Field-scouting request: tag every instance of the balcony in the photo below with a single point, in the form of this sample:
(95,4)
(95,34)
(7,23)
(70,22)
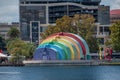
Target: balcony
(102,34)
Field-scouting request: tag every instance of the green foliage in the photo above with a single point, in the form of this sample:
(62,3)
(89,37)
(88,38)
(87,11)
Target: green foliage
(85,28)
(63,24)
(92,43)
(115,36)
(108,43)
(13,33)
(19,48)
(85,24)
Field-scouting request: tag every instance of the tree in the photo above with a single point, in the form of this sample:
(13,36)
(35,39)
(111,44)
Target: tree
(84,24)
(18,48)
(85,28)
(92,43)
(13,33)
(115,36)
(63,24)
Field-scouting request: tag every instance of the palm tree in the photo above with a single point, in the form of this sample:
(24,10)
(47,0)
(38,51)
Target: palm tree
(13,33)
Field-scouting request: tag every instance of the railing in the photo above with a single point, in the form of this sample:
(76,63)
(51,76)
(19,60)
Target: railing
(102,34)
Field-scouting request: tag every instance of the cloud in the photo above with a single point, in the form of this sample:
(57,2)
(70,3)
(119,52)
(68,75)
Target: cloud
(114,4)
(9,10)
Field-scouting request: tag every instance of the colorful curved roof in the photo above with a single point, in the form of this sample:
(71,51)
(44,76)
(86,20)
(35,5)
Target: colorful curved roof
(64,46)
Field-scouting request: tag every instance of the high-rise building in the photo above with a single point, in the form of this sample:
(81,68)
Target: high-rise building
(36,15)
(104,15)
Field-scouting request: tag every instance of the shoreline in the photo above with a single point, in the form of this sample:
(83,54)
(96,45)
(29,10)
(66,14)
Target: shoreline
(11,65)
(71,63)
(64,63)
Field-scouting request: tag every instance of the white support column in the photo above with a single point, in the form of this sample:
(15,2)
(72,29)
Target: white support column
(38,32)
(30,31)
(98,28)
(47,14)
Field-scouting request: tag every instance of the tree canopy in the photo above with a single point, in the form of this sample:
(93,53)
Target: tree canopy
(62,25)
(13,33)
(115,36)
(18,47)
(84,24)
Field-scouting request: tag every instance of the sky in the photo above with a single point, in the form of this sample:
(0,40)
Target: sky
(9,9)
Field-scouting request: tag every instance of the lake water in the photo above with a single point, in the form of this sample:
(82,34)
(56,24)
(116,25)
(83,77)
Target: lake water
(61,73)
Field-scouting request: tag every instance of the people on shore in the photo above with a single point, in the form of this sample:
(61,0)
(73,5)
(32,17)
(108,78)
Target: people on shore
(108,53)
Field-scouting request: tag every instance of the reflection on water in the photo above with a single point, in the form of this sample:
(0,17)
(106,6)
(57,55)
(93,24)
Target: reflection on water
(60,73)
(9,73)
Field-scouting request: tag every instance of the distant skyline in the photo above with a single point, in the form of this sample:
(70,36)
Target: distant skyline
(9,9)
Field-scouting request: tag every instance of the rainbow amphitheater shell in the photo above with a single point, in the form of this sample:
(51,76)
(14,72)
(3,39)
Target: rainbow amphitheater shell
(62,46)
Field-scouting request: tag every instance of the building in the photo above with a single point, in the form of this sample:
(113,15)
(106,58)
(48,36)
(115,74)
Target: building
(36,15)
(104,15)
(5,27)
(114,15)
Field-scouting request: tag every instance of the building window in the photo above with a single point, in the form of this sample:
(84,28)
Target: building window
(106,29)
(101,29)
